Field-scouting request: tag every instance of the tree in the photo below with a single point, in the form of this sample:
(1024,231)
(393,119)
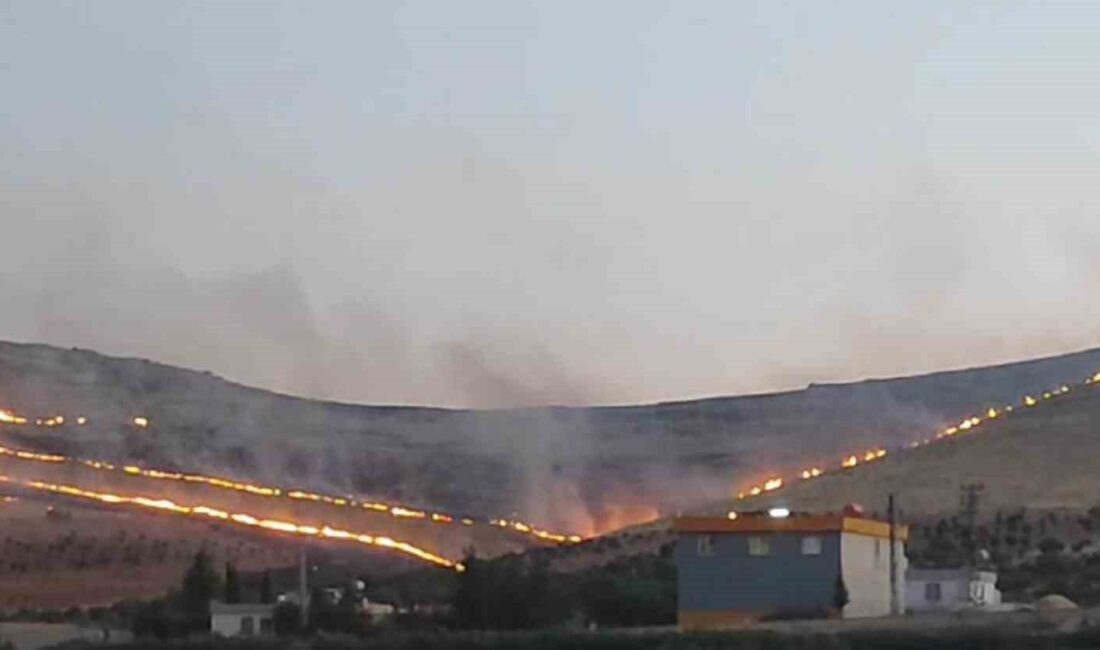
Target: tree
(470,607)
(1051,546)
(334,615)
(319,610)
(627,592)
(200,583)
(286,618)
(232,584)
(840,594)
(266,594)
(508,593)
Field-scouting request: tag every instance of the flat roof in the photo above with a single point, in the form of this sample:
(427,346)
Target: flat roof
(950,574)
(793,524)
(218,607)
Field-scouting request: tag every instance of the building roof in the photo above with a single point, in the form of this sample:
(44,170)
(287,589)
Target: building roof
(218,607)
(947,575)
(829,523)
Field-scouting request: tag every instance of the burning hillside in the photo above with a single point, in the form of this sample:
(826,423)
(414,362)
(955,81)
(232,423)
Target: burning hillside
(428,535)
(1039,453)
(565,469)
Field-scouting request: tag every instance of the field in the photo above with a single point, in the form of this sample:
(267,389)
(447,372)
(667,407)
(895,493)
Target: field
(85,558)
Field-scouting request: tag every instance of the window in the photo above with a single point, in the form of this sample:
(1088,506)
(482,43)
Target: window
(758,546)
(248,626)
(811,545)
(932,592)
(267,626)
(705,545)
(878,553)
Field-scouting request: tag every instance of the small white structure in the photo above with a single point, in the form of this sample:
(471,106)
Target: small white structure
(932,590)
(241,619)
(378,610)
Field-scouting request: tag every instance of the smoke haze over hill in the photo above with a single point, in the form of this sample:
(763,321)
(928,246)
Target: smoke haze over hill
(421,205)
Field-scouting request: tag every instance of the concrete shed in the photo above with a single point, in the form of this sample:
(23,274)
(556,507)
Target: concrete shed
(241,619)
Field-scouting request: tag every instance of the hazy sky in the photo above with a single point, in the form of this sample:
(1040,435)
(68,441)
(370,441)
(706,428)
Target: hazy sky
(500,203)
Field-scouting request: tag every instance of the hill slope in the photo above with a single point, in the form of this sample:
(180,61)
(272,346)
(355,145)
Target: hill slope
(1041,458)
(583,469)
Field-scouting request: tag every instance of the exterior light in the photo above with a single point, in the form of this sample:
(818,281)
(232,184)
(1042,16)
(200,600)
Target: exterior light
(779,513)
(731,515)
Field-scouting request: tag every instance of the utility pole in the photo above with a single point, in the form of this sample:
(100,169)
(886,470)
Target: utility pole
(895,601)
(968,504)
(303,593)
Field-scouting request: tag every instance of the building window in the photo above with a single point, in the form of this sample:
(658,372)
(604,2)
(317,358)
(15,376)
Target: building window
(705,545)
(811,545)
(758,546)
(267,626)
(878,553)
(932,592)
(248,626)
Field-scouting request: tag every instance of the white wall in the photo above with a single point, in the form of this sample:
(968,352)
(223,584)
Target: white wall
(226,624)
(955,592)
(867,575)
(229,624)
(952,594)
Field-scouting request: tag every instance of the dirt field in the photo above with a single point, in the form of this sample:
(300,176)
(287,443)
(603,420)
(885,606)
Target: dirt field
(90,558)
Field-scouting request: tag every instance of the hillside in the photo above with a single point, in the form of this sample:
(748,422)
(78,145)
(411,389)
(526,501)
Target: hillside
(57,557)
(1045,457)
(578,469)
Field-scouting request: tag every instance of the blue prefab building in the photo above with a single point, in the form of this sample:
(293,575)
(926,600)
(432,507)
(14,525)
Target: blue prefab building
(733,571)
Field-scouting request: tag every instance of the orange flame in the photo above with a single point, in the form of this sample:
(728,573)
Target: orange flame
(242,519)
(265,491)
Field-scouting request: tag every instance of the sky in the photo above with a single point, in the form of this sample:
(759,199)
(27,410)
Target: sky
(505,203)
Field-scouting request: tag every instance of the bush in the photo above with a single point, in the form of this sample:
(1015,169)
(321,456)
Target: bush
(286,618)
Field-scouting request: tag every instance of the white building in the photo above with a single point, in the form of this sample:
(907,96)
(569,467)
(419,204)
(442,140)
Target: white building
(378,610)
(930,590)
(241,619)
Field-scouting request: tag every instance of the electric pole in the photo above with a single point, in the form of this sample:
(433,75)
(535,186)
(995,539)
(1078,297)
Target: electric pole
(895,601)
(969,500)
(303,593)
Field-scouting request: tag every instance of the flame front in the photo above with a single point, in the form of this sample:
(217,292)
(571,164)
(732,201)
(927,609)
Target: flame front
(7,417)
(242,519)
(396,511)
(966,425)
(771,484)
